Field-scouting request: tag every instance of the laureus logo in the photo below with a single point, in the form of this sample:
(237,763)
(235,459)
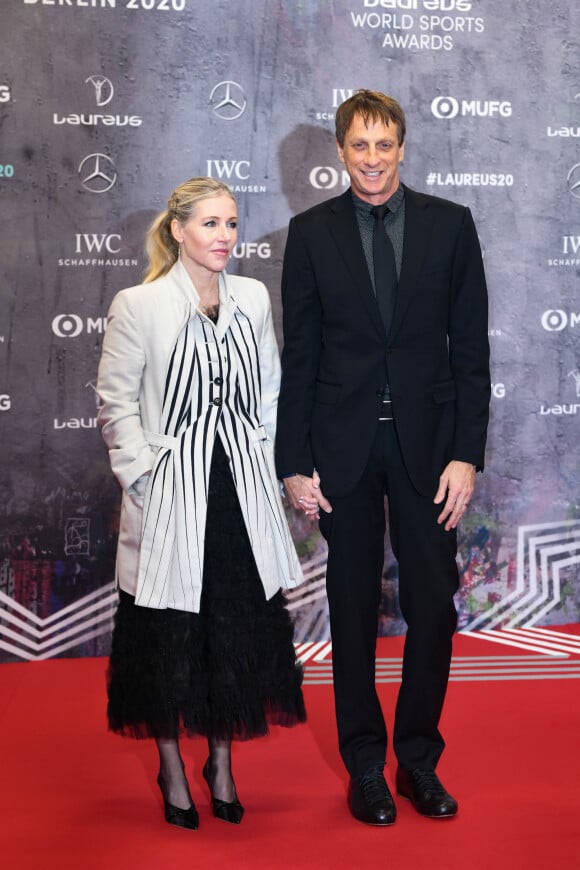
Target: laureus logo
(575,374)
(103,88)
(103,92)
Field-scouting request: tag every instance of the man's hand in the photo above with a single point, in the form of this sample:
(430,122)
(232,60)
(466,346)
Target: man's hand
(458,482)
(305,495)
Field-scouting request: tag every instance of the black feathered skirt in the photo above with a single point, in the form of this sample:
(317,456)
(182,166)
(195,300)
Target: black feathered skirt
(227,672)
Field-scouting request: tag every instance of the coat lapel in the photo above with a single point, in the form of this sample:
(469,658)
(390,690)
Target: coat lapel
(187,298)
(344,228)
(228,305)
(415,242)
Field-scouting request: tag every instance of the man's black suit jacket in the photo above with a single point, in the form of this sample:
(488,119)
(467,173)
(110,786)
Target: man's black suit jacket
(337,358)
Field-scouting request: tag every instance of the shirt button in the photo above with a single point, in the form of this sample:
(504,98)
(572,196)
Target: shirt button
(217,401)
(218,382)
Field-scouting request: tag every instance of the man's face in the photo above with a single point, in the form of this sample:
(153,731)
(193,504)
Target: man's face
(372,155)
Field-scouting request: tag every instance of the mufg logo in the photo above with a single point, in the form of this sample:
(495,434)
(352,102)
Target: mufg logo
(71,325)
(556,319)
(450,107)
(327,177)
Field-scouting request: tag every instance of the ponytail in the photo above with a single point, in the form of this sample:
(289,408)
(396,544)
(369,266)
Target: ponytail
(162,249)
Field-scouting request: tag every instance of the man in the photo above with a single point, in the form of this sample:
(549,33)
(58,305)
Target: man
(385,390)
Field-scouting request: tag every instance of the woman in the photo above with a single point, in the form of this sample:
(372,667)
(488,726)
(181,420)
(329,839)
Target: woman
(188,381)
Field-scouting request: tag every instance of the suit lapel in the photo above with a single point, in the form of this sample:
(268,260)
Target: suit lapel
(344,228)
(416,237)
(228,305)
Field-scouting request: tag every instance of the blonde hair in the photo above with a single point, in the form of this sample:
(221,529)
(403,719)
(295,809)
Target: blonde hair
(161,247)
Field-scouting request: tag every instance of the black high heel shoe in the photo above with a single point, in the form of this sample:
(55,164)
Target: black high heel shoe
(228,811)
(176,816)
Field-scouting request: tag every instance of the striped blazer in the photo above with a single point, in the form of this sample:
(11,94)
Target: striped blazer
(169,382)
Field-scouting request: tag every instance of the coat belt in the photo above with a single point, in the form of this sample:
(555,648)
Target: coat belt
(156,439)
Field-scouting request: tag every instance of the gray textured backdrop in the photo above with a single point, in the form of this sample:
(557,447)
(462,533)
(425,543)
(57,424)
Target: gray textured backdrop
(107,105)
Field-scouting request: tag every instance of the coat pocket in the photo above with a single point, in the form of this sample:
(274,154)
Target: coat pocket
(326,394)
(444,392)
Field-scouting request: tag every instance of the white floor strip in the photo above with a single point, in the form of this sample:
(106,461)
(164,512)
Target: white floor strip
(555,635)
(518,633)
(494,638)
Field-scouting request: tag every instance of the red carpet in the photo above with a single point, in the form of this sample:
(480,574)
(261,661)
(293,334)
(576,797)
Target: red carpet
(75,796)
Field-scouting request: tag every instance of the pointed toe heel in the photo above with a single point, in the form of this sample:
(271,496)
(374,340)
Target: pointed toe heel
(181,818)
(227,811)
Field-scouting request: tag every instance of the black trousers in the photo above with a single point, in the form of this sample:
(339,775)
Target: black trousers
(428,579)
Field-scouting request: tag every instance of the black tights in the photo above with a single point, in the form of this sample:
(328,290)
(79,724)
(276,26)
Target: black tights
(172,772)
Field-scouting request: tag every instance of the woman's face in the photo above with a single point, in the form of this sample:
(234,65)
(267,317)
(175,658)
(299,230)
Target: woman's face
(209,236)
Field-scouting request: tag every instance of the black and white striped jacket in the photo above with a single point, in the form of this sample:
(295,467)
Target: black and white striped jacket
(169,381)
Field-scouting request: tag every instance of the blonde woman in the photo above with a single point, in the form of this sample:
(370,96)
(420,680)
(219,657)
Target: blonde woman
(188,381)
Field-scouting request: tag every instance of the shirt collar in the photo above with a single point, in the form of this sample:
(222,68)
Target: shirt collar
(394,202)
(187,286)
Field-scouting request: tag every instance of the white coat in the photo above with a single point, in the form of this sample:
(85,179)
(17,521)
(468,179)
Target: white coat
(169,381)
